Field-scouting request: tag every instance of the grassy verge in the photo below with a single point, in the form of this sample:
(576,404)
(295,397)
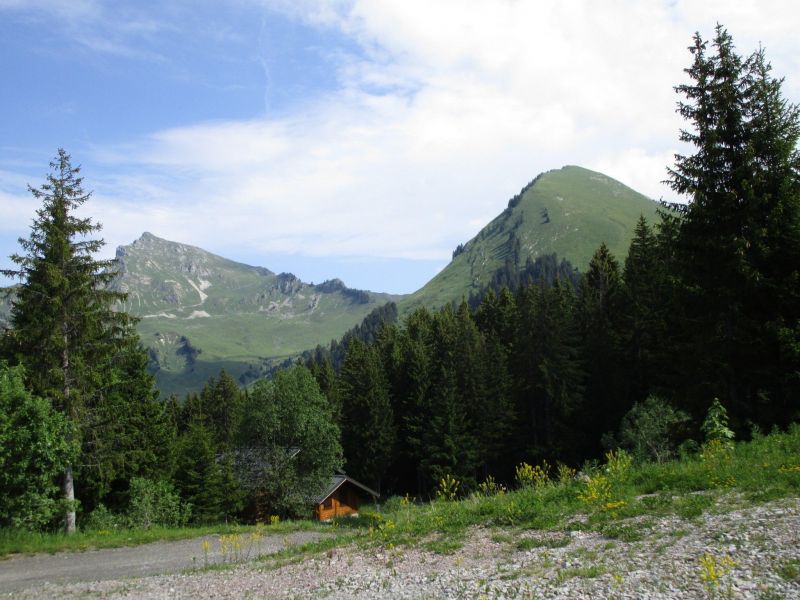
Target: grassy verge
(603,499)
(17,541)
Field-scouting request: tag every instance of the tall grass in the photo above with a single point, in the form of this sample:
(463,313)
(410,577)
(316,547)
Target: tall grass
(766,468)
(20,541)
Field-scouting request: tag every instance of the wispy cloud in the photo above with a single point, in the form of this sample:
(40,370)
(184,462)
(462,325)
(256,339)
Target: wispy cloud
(100,27)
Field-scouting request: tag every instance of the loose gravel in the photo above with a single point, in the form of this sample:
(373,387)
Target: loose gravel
(757,549)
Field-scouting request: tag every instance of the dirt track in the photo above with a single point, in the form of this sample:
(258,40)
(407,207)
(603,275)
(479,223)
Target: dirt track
(20,572)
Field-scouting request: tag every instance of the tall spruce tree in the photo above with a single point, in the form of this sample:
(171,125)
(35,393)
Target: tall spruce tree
(198,475)
(644,312)
(127,431)
(737,241)
(368,429)
(65,332)
(548,373)
(599,314)
(221,401)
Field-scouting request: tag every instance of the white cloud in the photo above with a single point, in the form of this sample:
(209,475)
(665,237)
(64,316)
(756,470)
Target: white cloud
(16,213)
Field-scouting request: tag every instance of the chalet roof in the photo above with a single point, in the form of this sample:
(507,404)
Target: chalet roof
(338,480)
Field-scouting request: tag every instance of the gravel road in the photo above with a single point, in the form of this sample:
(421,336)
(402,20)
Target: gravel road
(20,572)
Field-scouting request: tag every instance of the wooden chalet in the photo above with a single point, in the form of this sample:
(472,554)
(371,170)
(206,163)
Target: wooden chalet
(343,497)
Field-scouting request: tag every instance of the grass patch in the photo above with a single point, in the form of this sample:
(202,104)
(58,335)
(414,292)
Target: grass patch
(445,545)
(502,538)
(624,533)
(552,542)
(589,572)
(692,506)
(20,541)
(789,570)
(657,503)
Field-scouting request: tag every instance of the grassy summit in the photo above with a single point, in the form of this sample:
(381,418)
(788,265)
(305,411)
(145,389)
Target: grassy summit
(569,211)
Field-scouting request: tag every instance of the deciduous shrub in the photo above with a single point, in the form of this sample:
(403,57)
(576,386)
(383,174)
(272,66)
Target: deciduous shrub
(715,426)
(650,430)
(155,503)
(35,445)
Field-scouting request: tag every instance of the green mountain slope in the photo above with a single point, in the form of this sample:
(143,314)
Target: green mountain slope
(569,211)
(200,312)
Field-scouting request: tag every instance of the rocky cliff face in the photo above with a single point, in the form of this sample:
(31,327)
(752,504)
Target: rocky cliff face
(200,312)
(176,279)
(5,307)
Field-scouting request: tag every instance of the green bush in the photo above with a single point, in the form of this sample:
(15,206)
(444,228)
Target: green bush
(35,446)
(650,430)
(715,426)
(102,519)
(155,503)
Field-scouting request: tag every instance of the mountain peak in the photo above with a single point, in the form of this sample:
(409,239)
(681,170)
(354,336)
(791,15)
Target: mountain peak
(148,238)
(200,312)
(568,211)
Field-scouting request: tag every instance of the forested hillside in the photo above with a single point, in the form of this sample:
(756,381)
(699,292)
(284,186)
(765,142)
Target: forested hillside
(705,306)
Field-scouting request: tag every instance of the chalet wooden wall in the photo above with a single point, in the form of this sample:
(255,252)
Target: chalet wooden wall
(344,501)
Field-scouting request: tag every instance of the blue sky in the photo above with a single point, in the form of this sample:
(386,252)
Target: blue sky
(354,139)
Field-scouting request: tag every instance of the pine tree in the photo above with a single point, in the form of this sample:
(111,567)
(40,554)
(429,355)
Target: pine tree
(450,445)
(494,415)
(221,408)
(600,297)
(773,259)
(392,348)
(738,237)
(321,368)
(128,432)
(644,312)
(548,373)
(64,329)
(368,429)
(412,393)
(198,476)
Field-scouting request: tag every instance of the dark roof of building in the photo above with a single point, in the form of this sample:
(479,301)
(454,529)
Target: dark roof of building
(338,481)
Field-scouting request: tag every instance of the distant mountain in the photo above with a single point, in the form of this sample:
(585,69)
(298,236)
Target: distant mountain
(569,212)
(200,312)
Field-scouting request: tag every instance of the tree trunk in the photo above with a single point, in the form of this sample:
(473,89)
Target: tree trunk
(68,485)
(68,492)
